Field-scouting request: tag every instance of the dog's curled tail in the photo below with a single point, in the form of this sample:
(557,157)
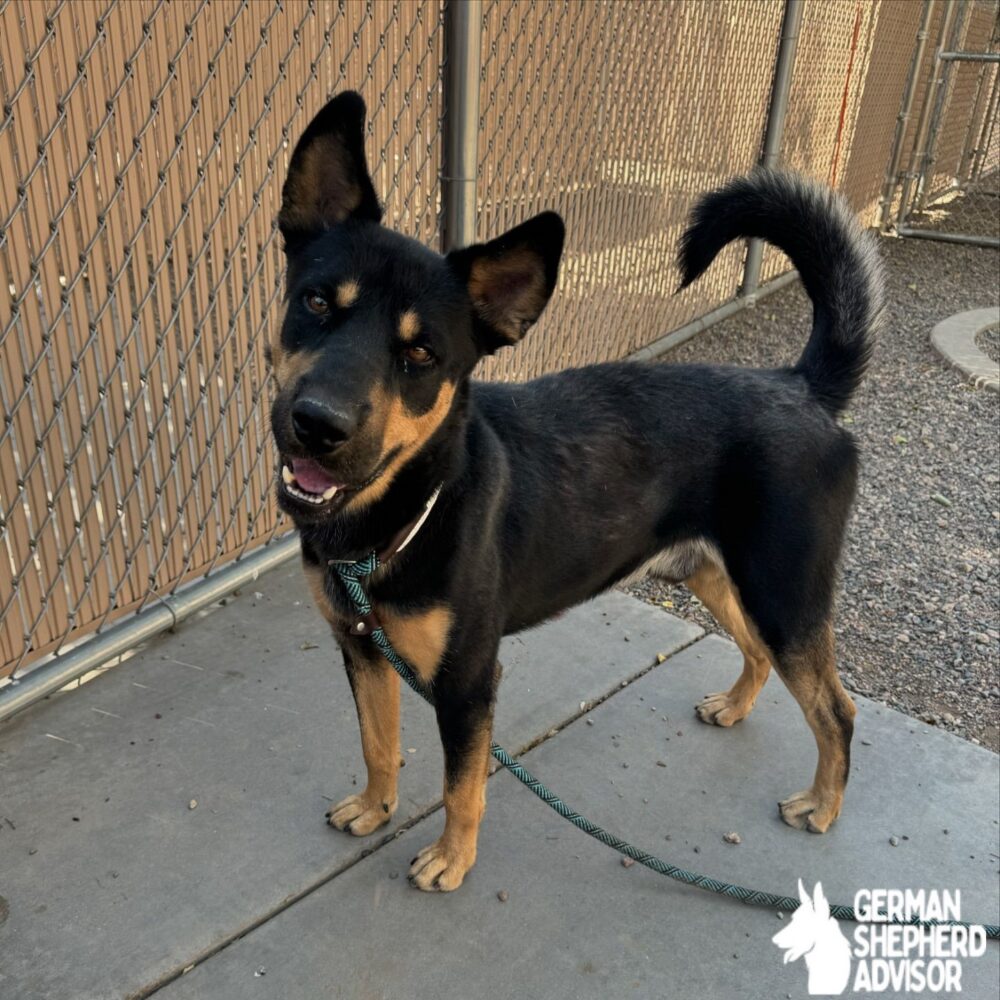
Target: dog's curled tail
(836,260)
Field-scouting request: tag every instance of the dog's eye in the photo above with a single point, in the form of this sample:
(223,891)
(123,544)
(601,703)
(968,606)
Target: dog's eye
(418,355)
(315,303)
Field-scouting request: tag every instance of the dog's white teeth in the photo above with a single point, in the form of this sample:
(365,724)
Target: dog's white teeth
(286,475)
(330,493)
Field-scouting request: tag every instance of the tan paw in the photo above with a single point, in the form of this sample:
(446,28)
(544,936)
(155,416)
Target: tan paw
(360,814)
(721,709)
(440,867)
(809,811)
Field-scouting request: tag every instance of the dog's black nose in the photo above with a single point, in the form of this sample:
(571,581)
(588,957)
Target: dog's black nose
(319,427)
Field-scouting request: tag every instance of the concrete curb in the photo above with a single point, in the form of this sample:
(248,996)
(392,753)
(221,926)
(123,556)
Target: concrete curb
(955,340)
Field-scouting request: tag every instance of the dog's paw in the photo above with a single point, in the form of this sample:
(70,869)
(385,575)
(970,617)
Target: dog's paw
(809,811)
(721,709)
(361,814)
(441,867)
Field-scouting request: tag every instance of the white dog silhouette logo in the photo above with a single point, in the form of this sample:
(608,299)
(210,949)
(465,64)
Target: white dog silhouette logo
(813,933)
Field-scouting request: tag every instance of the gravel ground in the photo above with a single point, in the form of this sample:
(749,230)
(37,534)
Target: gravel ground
(988,342)
(919,604)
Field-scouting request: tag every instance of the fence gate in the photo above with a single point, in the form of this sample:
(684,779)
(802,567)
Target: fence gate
(944,174)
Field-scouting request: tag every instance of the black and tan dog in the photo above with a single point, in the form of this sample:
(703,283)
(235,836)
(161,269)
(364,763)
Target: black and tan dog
(737,482)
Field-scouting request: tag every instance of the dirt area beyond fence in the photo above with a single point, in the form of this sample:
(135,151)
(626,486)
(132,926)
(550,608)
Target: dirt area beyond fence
(919,602)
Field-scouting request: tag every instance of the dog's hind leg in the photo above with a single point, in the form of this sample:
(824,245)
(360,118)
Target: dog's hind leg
(810,673)
(715,590)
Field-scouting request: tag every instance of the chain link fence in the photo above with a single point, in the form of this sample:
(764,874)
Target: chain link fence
(947,182)
(142,149)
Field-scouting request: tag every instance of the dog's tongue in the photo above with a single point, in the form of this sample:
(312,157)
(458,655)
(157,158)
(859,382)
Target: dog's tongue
(311,476)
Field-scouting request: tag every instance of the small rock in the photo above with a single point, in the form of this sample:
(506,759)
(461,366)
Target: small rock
(503,895)
(260,972)
(193,804)
(660,657)
(309,645)
(627,862)
(661,763)
(894,841)
(590,722)
(732,838)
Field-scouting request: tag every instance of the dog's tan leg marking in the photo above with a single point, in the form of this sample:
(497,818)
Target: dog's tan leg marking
(811,676)
(376,695)
(441,866)
(715,590)
(420,638)
(315,578)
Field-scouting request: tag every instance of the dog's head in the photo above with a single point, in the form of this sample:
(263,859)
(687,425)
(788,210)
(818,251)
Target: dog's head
(379,333)
(809,925)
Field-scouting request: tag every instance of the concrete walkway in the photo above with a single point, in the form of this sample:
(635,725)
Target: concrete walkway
(112,884)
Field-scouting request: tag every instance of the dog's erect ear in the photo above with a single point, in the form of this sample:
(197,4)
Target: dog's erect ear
(511,278)
(804,896)
(328,181)
(821,905)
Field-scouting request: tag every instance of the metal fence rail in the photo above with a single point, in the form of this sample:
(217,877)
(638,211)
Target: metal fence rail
(142,149)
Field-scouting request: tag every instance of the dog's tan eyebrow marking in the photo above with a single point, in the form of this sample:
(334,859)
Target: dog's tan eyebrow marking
(347,294)
(409,325)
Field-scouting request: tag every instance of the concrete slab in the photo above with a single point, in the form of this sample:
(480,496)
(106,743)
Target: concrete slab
(954,339)
(578,924)
(113,882)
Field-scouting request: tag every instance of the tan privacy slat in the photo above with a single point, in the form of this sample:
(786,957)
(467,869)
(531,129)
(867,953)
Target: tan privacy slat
(34,289)
(17,597)
(610,114)
(60,425)
(147,273)
(861,179)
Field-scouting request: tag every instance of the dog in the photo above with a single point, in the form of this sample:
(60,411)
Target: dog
(518,501)
(812,932)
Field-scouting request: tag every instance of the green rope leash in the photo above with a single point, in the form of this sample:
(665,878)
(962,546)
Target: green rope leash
(351,575)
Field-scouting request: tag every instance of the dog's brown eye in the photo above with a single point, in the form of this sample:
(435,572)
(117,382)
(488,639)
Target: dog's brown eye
(315,303)
(418,355)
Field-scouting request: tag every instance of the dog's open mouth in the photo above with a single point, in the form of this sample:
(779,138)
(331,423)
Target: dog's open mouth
(306,480)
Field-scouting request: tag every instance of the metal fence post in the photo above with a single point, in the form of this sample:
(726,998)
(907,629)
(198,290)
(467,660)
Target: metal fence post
(774,129)
(916,157)
(892,174)
(463,36)
(945,70)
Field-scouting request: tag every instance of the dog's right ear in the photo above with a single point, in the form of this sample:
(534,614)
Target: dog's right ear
(328,181)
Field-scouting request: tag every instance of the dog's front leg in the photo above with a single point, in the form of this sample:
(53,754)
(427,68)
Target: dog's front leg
(376,694)
(465,721)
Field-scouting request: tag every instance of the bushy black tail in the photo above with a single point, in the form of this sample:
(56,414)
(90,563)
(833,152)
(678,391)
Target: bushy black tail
(836,259)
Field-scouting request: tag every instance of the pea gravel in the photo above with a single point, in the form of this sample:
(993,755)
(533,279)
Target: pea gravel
(989,343)
(918,615)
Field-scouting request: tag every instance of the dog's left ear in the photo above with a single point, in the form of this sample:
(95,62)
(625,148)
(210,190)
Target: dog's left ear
(510,279)
(328,181)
